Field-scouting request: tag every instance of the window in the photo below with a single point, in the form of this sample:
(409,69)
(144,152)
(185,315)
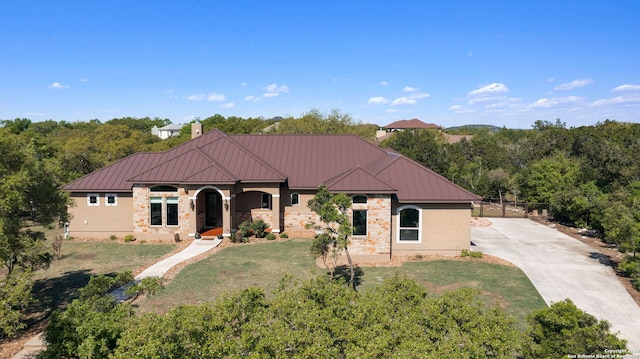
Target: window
(156,211)
(295,199)
(359,222)
(409,226)
(265,201)
(172,211)
(359,199)
(111,199)
(170,208)
(93,199)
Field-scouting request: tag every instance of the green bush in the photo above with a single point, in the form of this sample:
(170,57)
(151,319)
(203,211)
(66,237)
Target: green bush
(635,280)
(475,254)
(629,266)
(464,253)
(113,237)
(259,227)
(271,236)
(284,235)
(129,238)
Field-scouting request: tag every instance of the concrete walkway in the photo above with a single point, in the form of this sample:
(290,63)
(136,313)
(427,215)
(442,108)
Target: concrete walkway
(36,344)
(561,267)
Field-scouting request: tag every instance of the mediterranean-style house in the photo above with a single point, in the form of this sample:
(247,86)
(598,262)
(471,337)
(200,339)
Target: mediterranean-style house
(215,181)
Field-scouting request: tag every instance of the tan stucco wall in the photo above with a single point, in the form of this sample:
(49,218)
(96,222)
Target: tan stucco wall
(100,222)
(446,229)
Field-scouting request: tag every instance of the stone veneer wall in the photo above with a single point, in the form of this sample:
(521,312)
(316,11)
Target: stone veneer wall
(378,238)
(142,212)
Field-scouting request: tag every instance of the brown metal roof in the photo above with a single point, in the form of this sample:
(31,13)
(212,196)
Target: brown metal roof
(358,180)
(343,162)
(411,124)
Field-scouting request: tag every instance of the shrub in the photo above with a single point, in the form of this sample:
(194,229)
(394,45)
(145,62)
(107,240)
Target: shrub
(476,254)
(635,280)
(629,266)
(113,237)
(259,227)
(129,238)
(271,236)
(465,253)
(284,235)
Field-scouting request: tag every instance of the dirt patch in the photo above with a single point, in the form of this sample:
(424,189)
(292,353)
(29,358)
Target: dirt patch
(606,253)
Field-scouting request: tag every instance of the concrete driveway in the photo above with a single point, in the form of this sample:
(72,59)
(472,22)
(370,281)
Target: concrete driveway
(561,267)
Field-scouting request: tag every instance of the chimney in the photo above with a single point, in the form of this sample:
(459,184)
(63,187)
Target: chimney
(196,128)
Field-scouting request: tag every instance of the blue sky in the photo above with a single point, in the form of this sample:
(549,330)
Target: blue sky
(504,63)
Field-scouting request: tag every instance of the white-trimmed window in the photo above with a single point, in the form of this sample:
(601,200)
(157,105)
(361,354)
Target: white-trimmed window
(409,226)
(93,199)
(359,222)
(111,199)
(172,211)
(167,206)
(265,201)
(359,198)
(295,199)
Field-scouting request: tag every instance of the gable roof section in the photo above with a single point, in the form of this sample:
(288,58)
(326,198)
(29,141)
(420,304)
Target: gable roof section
(417,183)
(411,124)
(114,177)
(310,160)
(187,166)
(358,180)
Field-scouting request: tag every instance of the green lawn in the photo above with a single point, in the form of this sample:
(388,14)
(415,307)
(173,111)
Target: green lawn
(58,285)
(263,265)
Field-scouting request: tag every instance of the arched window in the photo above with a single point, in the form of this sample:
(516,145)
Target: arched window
(409,226)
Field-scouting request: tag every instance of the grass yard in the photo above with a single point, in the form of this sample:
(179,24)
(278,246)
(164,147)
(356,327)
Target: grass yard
(264,264)
(57,286)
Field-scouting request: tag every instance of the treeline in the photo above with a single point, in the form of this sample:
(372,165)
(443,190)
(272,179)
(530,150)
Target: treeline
(586,176)
(321,318)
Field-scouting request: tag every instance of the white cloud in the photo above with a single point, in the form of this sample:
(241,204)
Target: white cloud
(403,101)
(244,84)
(455,107)
(419,95)
(275,88)
(84,80)
(271,94)
(574,85)
(215,97)
(626,87)
(377,100)
(383,83)
(409,89)
(493,88)
(553,102)
(486,99)
(196,97)
(620,100)
(390,110)
(550,79)
(228,105)
(252,98)
(57,86)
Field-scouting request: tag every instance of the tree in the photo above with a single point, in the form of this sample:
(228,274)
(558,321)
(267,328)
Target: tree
(563,329)
(15,296)
(426,147)
(498,180)
(336,228)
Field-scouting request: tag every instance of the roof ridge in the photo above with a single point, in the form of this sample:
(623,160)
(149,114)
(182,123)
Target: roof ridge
(215,163)
(256,157)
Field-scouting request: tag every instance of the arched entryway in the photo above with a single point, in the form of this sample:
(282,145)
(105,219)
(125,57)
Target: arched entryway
(209,209)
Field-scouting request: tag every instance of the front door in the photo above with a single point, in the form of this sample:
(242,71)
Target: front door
(213,216)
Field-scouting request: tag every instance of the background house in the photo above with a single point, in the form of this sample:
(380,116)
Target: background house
(166,131)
